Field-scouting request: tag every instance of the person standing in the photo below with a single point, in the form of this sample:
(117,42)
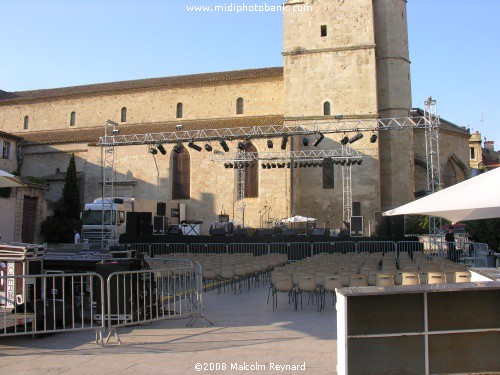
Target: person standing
(77,237)
(450,241)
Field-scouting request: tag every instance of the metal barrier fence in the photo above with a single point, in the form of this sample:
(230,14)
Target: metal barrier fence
(256,249)
(170,289)
(376,247)
(56,302)
(294,250)
(343,247)
(167,248)
(207,248)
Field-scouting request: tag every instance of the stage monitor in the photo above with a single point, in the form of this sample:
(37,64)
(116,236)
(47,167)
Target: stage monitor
(356,226)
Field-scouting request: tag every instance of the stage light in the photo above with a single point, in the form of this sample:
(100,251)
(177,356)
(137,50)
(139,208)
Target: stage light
(349,162)
(208,148)
(284,141)
(269,143)
(305,142)
(226,165)
(360,161)
(273,165)
(264,166)
(162,149)
(194,146)
(318,140)
(357,137)
(315,164)
(342,162)
(279,166)
(268,166)
(295,165)
(373,138)
(288,165)
(344,141)
(152,151)
(241,146)
(223,144)
(231,165)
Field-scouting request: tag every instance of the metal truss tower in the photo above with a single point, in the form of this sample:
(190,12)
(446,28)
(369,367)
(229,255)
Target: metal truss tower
(108,180)
(239,197)
(432,152)
(347,184)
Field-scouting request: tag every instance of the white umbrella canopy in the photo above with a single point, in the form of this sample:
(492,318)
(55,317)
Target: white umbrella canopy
(474,199)
(299,219)
(9,180)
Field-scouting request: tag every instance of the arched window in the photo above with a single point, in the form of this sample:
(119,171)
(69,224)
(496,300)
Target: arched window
(179,110)
(326,109)
(72,119)
(240,106)
(26,122)
(449,175)
(124,114)
(181,174)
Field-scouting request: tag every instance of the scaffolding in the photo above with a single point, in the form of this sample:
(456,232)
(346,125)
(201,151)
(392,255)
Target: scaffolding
(430,122)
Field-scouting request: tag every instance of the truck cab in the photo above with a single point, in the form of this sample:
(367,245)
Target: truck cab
(115,211)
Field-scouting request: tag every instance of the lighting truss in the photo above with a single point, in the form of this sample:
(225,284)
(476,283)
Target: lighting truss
(271,131)
(305,155)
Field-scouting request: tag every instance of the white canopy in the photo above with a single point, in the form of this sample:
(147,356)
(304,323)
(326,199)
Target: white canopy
(474,199)
(8,180)
(299,219)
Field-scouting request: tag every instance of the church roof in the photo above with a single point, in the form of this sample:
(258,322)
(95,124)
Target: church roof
(445,124)
(91,135)
(140,84)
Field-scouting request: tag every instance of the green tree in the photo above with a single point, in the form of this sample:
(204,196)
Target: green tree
(71,192)
(486,231)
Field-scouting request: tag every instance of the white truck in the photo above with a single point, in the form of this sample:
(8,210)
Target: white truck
(114,208)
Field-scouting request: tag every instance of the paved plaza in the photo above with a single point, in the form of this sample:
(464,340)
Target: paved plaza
(246,332)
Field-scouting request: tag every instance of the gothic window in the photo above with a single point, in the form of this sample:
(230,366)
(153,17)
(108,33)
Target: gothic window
(26,122)
(473,153)
(239,106)
(328,174)
(72,119)
(326,109)
(179,110)
(181,174)
(124,114)
(251,176)
(449,175)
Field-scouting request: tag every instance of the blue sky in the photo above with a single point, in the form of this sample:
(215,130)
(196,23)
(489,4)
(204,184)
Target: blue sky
(453,47)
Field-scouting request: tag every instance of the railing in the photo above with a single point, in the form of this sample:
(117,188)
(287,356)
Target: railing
(57,302)
(169,289)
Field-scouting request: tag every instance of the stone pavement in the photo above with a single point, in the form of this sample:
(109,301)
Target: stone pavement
(246,332)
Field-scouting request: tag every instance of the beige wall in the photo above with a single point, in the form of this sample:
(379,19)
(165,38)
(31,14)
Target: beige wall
(261,96)
(7,218)
(10,164)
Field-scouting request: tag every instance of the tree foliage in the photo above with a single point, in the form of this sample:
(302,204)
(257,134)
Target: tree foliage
(71,192)
(486,231)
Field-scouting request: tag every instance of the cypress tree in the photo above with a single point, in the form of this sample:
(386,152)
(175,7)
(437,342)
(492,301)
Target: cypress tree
(71,192)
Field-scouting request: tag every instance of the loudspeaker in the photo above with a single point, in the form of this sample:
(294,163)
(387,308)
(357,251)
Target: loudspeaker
(145,225)
(357,226)
(356,208)
(289,232)
(265,232)
(319,232)
(397,226)
(132,224)
(161,209)
(159,225)
(218,232)
(382,225)
(240,232)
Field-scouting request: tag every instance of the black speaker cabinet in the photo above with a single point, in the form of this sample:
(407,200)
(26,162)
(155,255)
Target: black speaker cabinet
(240,232)
(397,226)
(289,232)
(218,232)
(132,224)
(357,226)
(161,209)
(382,225)
(356,208)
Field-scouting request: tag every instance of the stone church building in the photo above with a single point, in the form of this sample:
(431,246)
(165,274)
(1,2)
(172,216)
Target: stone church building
(342,59)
